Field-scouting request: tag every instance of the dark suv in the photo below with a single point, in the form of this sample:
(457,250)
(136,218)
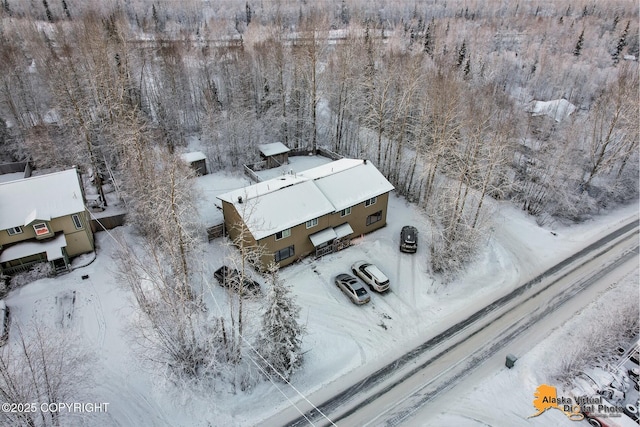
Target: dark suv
(230,278)
(409,239)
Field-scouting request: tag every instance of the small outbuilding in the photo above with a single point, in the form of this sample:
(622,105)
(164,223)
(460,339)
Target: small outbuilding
(197,160)
(274,154)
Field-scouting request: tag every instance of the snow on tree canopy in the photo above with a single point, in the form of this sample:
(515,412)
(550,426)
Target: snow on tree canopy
(283,202)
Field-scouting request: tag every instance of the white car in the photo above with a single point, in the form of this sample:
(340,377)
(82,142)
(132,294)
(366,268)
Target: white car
(371,275)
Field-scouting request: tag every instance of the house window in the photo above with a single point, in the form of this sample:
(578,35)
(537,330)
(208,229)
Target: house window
(41,229)
(312,223)
(370,202)
(14,230)
(345,212)
(374,218)
(76,221)
(282,234)
(285,253)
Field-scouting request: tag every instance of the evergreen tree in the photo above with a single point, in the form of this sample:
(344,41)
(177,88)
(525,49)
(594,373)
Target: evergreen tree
(66,9)
(428,39)
(156,18)
(47,11)
(616,19)
(5,6)
(462,53)
(578,48)
(248,12)
(622,42)
(280,340)
(345,16)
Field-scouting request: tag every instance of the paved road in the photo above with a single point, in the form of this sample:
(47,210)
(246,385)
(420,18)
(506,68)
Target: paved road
(436,357)
(420,396)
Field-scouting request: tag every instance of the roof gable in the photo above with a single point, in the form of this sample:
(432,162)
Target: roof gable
(277,204)
(40,197)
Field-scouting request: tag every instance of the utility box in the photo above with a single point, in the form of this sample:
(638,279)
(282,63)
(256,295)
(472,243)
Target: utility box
(511,360)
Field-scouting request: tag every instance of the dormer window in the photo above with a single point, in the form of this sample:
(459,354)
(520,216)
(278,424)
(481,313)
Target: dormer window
(41,229)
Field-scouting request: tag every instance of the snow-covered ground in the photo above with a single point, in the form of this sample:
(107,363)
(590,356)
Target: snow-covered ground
(341,338)
(505,397)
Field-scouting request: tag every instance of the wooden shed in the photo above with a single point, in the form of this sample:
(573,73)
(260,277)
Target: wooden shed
(197,160)
(274,154)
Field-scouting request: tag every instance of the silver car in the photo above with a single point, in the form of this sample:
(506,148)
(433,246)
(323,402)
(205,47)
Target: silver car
(352,288)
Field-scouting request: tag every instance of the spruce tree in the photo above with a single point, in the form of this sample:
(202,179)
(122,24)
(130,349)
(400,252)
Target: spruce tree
(622,42)
(578,49)
(462,53)
(428,39)
(280,339)
(47,10)
(248,12)
(5,6)
(66,9)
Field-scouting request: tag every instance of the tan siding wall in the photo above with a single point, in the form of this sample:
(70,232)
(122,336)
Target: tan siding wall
(234,225)
(78,241)
(359,214)
(27,233)
(300,234)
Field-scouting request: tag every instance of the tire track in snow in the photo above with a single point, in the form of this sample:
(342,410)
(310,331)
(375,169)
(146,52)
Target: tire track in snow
(99,313)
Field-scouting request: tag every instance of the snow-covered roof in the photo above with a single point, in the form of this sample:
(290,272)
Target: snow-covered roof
(558,109)
(273,149)
(193,157)
(332,168)
(343,230)
(289,200)
(352,183)
(266,213)
(40,197)
(323,236)
(53,248)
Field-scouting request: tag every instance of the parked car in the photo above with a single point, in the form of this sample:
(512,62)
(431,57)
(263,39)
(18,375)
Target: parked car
(352,288)
(371,275)
(409,239)
(230,278)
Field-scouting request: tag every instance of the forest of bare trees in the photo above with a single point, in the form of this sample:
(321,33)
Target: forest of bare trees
(435,93)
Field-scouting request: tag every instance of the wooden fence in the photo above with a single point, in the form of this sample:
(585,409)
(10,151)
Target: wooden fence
(107,223)
(215,231)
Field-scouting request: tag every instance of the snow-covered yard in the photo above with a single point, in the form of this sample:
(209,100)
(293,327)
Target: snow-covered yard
(341,338)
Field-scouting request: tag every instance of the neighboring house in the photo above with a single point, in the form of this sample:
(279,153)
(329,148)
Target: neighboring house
(274,154)
(43,218)
(197,160)
(316,211)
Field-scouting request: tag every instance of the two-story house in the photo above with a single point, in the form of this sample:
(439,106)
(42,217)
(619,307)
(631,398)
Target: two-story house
(43,219)
(316,211)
